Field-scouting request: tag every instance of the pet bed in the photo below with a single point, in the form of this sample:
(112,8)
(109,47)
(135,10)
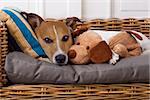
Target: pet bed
(22,68)
(126,91)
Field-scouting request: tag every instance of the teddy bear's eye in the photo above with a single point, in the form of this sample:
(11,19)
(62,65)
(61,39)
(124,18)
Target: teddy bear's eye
(78,43)
(87,47)
(48,40)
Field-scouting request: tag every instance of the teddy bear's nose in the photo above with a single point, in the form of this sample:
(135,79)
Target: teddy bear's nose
(72,54)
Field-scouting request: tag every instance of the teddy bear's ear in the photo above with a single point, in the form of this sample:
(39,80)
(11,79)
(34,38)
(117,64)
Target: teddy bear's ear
(100,53)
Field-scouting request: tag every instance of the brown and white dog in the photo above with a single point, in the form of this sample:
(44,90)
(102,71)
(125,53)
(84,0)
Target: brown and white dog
(53,36)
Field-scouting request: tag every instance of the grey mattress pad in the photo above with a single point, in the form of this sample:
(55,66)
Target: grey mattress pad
(23,69)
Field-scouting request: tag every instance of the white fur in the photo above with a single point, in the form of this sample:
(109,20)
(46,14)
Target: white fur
(59,50)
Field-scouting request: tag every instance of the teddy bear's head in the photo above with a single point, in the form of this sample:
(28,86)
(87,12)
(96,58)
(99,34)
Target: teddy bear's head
(87,47)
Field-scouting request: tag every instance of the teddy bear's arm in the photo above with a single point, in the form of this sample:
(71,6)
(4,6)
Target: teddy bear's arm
(121,50)
(134,49)
(133,46)
(135,52)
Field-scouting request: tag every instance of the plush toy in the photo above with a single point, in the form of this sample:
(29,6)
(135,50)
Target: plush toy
(144,42)
(93,46)
(88,47)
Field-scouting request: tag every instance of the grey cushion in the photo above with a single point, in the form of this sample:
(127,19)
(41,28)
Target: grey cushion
(22,68)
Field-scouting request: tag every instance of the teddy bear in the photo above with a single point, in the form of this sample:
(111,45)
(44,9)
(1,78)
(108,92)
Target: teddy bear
(88,48)
(92,47)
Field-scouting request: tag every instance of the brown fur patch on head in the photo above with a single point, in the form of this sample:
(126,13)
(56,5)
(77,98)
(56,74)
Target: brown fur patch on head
(46,30)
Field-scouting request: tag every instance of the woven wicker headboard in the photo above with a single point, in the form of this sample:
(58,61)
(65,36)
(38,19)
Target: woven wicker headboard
(3,52)
(116,24)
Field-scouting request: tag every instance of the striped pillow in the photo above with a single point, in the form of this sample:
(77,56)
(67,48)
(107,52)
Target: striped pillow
(22,32)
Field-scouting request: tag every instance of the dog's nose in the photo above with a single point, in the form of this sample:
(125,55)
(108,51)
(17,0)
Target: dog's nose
(60,58)
(72,54)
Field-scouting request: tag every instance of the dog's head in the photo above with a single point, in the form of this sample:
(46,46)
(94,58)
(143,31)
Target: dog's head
(54,37)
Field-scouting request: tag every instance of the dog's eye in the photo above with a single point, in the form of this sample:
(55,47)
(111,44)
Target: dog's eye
(48,40)
(65,38)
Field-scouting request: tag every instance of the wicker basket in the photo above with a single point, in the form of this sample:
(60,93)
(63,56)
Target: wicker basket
(145,27)
(114,24)
(77,92)
(3,52)
(96,24)
(130,24)
(134,91)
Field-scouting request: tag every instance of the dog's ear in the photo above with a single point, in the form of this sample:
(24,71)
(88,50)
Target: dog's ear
(79,31)
(100,53)
(70,21)
(33,19)
(73,23)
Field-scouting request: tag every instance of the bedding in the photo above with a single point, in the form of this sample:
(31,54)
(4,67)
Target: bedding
(23,69)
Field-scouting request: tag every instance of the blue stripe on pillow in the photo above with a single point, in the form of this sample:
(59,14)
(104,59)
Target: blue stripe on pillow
(26,33)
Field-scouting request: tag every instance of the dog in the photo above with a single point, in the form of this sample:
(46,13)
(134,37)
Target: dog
(53,36)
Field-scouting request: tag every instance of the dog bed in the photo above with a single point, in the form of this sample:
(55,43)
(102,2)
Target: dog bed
(132,91)
(23,69)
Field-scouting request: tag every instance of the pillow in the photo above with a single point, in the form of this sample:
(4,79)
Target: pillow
(22,32)
(23,69)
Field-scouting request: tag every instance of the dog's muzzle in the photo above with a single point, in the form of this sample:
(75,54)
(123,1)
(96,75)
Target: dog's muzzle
(60,59)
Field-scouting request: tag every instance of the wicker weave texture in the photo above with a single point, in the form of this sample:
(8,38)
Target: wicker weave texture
(115,24)
(3,52)
(77,92)
(145,27)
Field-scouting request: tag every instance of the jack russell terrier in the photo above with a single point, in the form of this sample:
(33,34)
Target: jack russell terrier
(53,36)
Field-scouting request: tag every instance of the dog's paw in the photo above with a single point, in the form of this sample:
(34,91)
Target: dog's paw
(112,61)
